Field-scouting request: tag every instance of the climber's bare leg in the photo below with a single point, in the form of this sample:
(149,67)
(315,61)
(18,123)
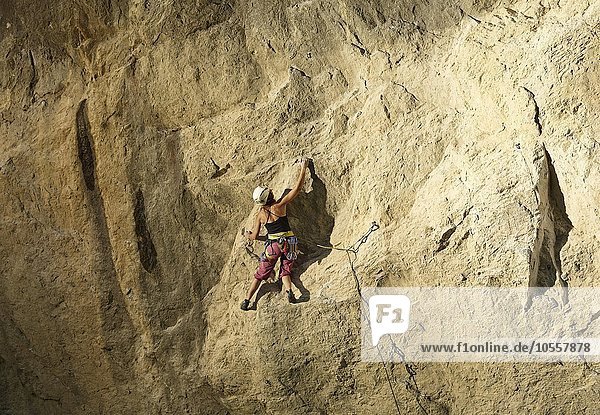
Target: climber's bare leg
(287,282)
(253,287)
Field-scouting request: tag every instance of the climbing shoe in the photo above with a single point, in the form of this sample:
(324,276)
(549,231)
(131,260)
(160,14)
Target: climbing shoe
(290,296)
(245,305)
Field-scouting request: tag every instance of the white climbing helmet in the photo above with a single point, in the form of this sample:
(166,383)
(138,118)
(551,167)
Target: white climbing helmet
(261,195)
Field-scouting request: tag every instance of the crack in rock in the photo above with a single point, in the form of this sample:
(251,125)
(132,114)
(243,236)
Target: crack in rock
(536,109)
(34,78)
(146,247)
(552,227)
(84,145)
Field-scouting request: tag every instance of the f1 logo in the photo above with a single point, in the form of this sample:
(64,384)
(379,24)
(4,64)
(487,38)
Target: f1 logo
(388,314)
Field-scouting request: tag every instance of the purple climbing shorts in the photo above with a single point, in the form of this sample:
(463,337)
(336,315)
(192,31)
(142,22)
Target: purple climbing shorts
(284,249)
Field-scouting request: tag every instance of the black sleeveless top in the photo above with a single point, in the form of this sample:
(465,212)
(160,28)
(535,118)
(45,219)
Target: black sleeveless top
(280,225)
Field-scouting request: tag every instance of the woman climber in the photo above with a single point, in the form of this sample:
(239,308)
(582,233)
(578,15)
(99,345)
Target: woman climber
(280,242)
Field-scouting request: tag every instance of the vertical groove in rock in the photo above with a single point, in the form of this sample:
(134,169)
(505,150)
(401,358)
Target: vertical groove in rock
(144,239)
(552,228)
(34,77)
(117,327)
(536,111)
(84,145)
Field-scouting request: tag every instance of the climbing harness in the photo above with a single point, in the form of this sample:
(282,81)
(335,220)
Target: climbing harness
(280,235)
(288,244)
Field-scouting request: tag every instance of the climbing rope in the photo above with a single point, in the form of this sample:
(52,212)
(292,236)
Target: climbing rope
(352,254)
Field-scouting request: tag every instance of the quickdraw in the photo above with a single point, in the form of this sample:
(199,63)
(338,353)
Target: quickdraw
(354,248)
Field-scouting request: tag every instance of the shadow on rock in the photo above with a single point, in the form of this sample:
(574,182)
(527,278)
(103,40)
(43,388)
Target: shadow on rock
(313,225)
(265,288)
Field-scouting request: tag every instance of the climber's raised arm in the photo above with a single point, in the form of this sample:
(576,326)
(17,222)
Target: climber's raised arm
(297,187)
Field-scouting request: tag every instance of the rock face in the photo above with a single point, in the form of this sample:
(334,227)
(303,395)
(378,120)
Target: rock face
(133,132)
